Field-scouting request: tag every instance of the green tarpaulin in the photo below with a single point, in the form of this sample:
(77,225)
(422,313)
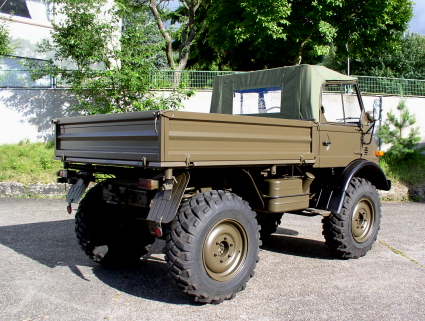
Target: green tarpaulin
(301,88)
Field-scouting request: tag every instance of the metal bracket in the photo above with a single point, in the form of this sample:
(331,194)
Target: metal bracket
(187,160)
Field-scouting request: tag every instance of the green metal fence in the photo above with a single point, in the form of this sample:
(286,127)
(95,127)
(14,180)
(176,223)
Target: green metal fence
(167,79)
(22,79)
(391,86)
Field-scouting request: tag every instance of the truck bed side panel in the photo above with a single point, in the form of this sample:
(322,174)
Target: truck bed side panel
(208,137)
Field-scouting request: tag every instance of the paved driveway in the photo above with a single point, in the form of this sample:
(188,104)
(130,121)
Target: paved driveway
(45,276)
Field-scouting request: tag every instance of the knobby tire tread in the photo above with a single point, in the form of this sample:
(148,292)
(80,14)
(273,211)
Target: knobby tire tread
(337,228)
(182,240)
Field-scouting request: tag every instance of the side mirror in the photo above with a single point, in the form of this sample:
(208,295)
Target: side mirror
(377,108)
(371,116)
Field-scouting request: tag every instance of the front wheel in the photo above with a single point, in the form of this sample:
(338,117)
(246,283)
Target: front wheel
(212,246)
(351,233)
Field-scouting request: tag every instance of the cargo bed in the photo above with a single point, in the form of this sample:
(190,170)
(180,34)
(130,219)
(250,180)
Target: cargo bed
(183,139)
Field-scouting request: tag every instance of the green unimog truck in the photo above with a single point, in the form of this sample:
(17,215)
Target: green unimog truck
(215,186)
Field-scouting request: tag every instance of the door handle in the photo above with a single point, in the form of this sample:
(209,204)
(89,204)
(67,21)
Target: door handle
(326,143)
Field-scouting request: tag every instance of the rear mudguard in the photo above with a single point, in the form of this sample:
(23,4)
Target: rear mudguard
(331,197)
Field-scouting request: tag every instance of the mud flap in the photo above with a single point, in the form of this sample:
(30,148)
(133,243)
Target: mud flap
(76,191)
(164,208)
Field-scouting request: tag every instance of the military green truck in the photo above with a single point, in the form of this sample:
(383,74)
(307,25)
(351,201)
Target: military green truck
(215,186)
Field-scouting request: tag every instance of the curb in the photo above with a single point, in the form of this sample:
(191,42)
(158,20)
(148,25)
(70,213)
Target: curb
(55,190)
(14,189)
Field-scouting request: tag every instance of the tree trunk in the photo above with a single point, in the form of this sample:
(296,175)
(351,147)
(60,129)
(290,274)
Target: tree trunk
(165,34)
(299,55)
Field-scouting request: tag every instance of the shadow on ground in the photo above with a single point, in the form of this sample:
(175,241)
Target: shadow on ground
(285,241)
(54,244)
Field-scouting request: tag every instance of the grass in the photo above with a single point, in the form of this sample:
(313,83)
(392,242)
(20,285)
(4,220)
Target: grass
(33,162)
(410,172)
(28,163)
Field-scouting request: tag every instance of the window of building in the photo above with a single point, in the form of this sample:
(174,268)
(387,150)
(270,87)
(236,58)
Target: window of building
(32,9)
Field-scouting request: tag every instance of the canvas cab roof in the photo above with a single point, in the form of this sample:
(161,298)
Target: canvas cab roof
(288,92)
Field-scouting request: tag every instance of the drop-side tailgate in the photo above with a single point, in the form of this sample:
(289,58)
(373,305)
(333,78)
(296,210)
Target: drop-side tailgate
(120,139)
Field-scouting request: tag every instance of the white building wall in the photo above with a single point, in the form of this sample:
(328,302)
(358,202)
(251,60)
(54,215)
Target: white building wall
(26,33)
(26,113)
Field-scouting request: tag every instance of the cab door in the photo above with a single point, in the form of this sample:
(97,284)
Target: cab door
(340,128)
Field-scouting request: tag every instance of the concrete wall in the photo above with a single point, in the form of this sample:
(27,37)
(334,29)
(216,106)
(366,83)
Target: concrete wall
(26,113)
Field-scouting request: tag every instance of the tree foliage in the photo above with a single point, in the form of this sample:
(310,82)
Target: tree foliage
(248,34)
(407,61)
(6,46)
(393,132)
(105,52)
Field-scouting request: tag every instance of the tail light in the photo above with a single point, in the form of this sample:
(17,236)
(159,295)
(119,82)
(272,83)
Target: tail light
(149,184)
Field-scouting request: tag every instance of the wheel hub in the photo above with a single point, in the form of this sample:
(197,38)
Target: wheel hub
(225,250)
(363,220)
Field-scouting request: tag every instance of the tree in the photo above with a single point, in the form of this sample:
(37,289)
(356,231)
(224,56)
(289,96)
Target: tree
(105,53)
(393,132)
(248,34)
(407,61)
(185,35)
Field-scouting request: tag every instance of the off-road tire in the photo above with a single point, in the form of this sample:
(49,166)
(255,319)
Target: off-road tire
(352,233)
(107,234)
(212,246)
(269,226)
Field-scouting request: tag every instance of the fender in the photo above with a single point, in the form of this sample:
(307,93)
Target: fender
(331,197)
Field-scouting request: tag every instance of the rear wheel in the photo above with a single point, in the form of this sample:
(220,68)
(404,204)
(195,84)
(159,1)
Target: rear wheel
(212,246)
(109,234)
(269,225)
(352,233)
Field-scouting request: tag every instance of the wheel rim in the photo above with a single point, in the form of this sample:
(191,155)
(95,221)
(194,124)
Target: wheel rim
(363,220)
(225,250)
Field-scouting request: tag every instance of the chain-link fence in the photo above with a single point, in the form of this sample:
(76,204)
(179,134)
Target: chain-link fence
(22,79)
(391,86)
(168,79)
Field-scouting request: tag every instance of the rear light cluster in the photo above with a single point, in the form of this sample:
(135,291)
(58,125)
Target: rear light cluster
(149,184)
(67,176)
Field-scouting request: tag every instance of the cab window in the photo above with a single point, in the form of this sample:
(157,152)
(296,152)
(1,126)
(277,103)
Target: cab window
(340,103)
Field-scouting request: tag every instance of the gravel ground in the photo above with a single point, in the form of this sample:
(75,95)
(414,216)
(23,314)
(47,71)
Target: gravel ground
(46,276)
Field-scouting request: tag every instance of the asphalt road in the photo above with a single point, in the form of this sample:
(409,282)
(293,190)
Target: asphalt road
(45,276)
